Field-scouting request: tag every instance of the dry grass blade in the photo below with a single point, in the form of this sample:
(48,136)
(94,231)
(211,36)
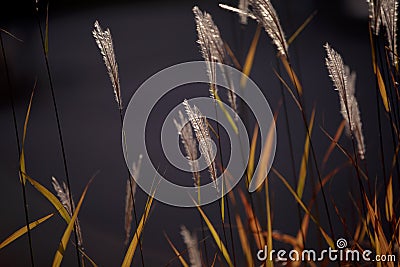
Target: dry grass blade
(250,167)
(265,158)
(254,224)
(304,159)
(177,253)
(135,240)
(244,241)
(304,207)
(248,64)
(301,28)
(344,82)
(336,138)
(67,233)
(292,75)
(105,44)
(192,247)
(129,195)
(217,239)
(382,89)
(23,231)
(22,164)
(51,198)
(389,200)
(267,16)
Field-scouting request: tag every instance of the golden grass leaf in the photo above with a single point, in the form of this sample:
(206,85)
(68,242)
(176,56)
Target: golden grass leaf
(292,75)
(20,232)
(244,241)
(304,159)
(303,206)
(177,253)
(389,200)
(136,237)
(51,198)
(216,237)
(248,64)
(22,166)
(226,113)
(250,167)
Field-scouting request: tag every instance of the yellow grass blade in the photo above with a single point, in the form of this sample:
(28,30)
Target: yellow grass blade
(51,198)
(22,165)
(304,160)
(270,263)
(217,240)
(136,237)
(303,206)
(226,113)
(244,241)
(250,167)
(23,230)
(389,200)
(67,233)
(302,27)
(248,64)
(257,181)
(177,253)
(292,75)
(382,89)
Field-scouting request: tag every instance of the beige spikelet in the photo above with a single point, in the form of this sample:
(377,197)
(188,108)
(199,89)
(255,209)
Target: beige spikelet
(344,82)
(192,247)
(104,42)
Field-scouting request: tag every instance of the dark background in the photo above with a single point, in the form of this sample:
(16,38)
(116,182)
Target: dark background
(149,36)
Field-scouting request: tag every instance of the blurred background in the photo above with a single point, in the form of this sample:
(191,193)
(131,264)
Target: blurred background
(149,36)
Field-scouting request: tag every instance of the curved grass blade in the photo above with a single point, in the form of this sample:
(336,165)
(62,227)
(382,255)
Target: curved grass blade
(304,207)
(177,253)
(292,75)
(216,237)
(135,241)
(22,165)
(67,233)
(248,64)
(304,159)
(23,231)
(250,167)
(51,198)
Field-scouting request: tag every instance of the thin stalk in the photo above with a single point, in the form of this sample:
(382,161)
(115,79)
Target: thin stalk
(288,131)
(312,150)
(60,136)
(23,189)
(227,202)
(121,116)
